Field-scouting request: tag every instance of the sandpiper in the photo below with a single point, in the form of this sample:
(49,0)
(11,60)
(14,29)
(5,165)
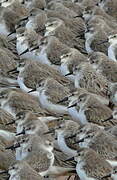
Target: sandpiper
(87,77)
(56,27)
(34,72)
(103,143)
(17,101)
(93,37)
(50,92)
(110,8)
(102,64)
(22,170)
(89,109)
(90,165)
(70,60)
(65,144)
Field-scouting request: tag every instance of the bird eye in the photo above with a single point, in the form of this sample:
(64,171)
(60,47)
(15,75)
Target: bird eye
(30,149)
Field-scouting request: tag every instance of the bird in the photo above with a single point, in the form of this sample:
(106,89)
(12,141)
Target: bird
(56,27)
(90,165)
(65,144)
(93,40)
(87,77)
(22,170)
(104,65)
(112,48)
(109,8)
(41,158)
(50,91)
(103,143)
(41,4)
(70,60)
(87,108)
(17,101)
(7,63)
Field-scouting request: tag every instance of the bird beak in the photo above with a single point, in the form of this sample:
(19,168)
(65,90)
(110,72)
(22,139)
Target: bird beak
(12,122)
(70,73)
(4,172)
(71,136)
(13,147)
(37,47)
(107,176)
(103,42)
(12,39)
(24,19)
(81,140)
(111,117)
(73,105)
(63,100)
(32,90)
(80,16)
(49,132)
(12,32)
(13,71)
(23,132)
(69,159)
(24,52)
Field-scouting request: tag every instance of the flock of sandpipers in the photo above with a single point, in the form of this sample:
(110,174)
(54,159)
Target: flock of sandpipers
(58,89)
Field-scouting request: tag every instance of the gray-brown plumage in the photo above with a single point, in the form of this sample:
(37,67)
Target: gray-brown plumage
(50,92)
(37,20)
(105,66)
(60,8)
(70,60)
(76,25)
(34,72)
(104,144)
(109,7)
(54,49)
(86,77)
(93,39)
(91,165)
(56,27)
(90,109)
(6,117)
(40,4)
(24,171)
(17,101)
(7,62)
(91,11)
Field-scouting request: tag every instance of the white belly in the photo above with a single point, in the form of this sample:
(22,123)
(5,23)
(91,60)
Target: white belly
(18,153)
(30,25)
(64,70)
(7,135)
(54,108)
(78,116)
(81,173)
(111,53)
(64,148)
(3,29)
(7,108)
(43,57)
(20,46)
(112,163)
(24,88)
(114,176)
